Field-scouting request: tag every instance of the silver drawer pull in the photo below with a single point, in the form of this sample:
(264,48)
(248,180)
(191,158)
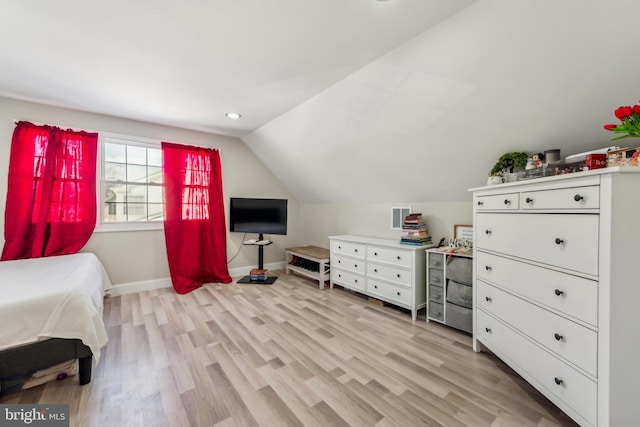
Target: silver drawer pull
(487,267)
(487,232)
(559,241)
(558,337)
(488,299)
(488,330)
(558,381)
(507,201)
(578,197)
(528,200)
(559,292)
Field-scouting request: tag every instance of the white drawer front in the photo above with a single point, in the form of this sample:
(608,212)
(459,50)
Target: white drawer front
(347,248)
(348,279)
(575,343)
(389,292)
(574,389)
(564,240)
(497,202)
(563,198)
(352,264)
(399,276)
(575,296)
(392,256)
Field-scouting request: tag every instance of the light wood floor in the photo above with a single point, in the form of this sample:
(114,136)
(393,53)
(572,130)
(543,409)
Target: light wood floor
(288,354)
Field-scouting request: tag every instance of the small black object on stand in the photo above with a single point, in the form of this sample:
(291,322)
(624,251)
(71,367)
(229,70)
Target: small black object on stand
(268,280)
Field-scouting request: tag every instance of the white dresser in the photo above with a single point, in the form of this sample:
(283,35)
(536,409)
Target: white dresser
(557,288)
(381,268)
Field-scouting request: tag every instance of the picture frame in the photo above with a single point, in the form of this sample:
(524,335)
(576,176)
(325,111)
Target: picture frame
(463,232)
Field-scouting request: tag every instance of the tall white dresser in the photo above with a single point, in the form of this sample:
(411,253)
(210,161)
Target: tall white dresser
(557,288)
(381,268)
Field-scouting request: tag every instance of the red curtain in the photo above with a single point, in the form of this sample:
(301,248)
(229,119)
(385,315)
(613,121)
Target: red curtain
(51,195)
(194,225)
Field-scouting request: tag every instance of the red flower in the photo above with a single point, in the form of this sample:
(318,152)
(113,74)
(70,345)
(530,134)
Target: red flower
(609,127)
(636,109)
(623,112)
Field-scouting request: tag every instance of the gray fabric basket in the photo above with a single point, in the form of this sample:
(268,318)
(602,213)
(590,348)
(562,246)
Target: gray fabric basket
(460,294)
(460,270)
(459,317)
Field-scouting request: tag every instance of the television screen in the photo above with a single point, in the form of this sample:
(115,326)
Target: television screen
(262,216)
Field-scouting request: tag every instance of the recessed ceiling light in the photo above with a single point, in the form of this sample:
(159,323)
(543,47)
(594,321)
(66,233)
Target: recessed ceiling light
(233,115)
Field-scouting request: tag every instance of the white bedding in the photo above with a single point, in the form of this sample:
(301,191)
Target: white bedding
(59,297)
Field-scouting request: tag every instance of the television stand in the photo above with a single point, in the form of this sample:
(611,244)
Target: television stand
(261,243)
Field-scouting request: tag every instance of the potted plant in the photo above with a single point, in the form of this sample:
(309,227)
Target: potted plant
(510,162)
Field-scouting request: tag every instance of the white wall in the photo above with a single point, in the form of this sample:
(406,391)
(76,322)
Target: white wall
(140,255)
(318,221)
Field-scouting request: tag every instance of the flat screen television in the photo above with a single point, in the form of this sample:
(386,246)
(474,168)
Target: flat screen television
(262,216)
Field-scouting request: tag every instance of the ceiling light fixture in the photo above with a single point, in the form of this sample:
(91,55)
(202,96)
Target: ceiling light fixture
(233,115)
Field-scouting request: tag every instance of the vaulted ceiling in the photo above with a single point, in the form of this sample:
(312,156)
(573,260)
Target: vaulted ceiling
(344,100)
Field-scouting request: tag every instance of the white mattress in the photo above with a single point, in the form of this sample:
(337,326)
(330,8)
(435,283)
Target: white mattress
(53,297)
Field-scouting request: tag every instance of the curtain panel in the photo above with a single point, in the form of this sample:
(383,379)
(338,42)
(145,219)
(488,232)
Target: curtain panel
(194,225)
(51,194)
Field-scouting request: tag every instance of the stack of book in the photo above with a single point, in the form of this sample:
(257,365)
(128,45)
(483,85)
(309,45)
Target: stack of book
(258,275)
(414,230)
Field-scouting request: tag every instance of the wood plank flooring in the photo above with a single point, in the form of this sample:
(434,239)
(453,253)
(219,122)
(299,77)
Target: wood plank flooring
(288,354)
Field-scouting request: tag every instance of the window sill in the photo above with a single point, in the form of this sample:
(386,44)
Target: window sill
(126,227)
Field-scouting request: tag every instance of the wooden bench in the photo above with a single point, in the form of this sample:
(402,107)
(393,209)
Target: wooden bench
(303,260)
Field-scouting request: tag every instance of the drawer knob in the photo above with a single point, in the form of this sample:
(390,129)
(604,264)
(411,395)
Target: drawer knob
(558,381)
(375,253)
(487,232)
(356,250)
(528,200)
(480,203)
(398,293)
(355,265)
(375,286)
(398,276)
(559,241)
(488,299)
(398,257)
(375,270)
(578,197)
(437,279)
(559,292)
(488,330)
(487,267)
(356,280)
(507,201)
(339,247)
(558,337)
(339,261)
(438,263)
(339,275)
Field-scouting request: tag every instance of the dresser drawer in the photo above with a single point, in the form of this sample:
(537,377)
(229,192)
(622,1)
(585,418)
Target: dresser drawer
(574,296)
(436,261)
(399,276)
(575,343)
(348,263)
(348,279)
(389,292)
(436,311)
(348,248)
(459,294)
(562,198)
(391,256)
(497,202)
(559,382)
(563,240)
(436,294)
(436,277)
(458,317)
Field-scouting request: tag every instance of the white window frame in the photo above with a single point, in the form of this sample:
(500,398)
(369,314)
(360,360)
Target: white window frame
(101,225)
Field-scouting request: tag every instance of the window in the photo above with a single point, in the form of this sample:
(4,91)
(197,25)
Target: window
(130,184)
(398,213)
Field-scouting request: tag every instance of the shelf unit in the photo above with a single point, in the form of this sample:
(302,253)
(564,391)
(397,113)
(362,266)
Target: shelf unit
(315,255)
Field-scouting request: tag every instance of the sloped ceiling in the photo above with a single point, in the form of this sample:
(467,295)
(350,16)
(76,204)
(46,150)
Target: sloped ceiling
(346,101)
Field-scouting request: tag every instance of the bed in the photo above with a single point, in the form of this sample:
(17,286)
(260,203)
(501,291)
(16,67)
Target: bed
(50,312)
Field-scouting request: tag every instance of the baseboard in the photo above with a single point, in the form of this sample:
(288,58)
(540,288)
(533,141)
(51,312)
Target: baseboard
(165,282)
